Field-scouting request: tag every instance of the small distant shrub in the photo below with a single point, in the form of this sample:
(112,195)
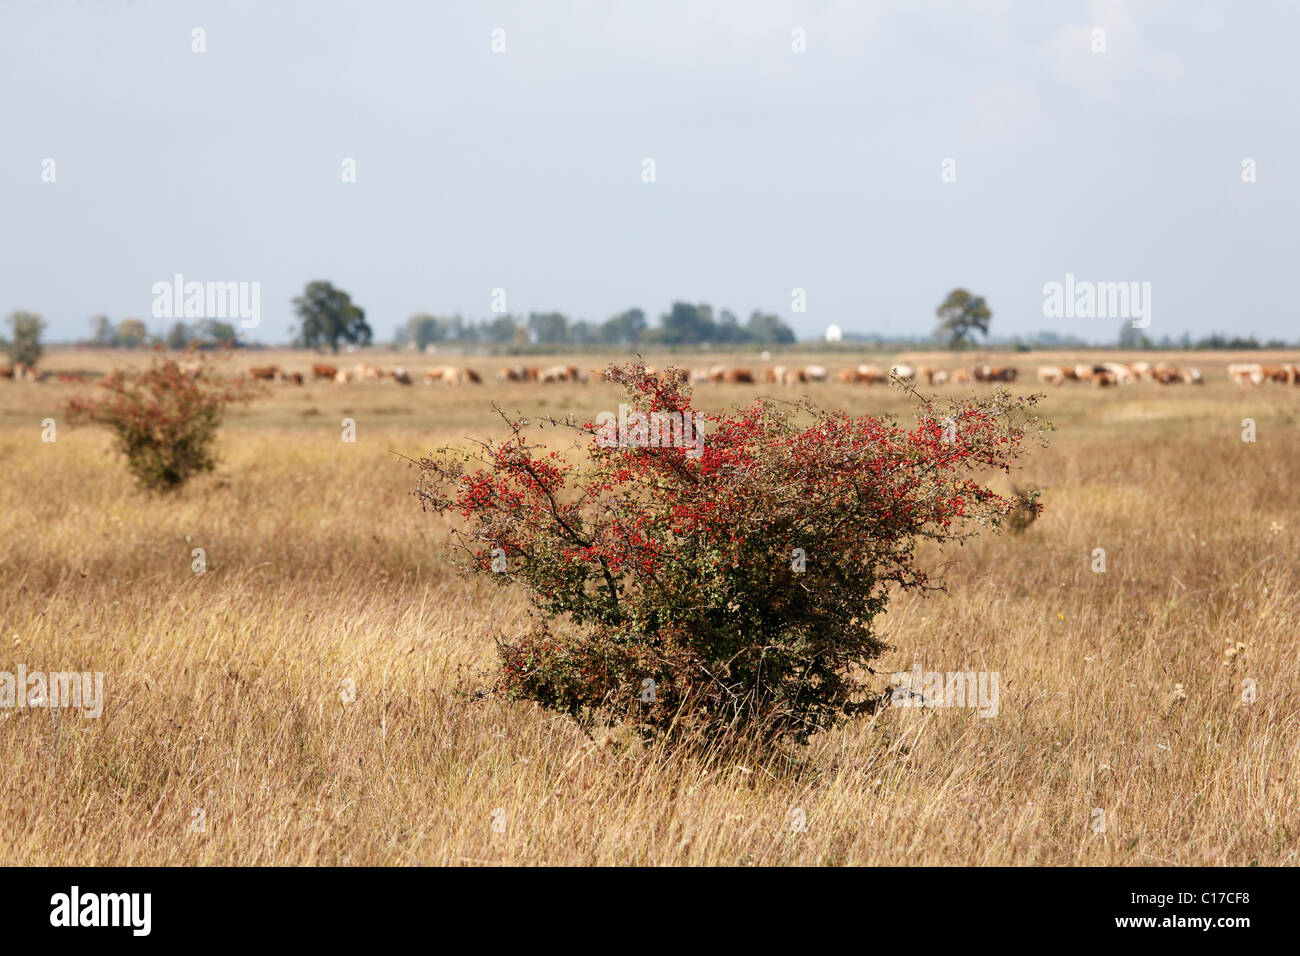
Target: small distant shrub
(25,349)
(164,419)
(727,588)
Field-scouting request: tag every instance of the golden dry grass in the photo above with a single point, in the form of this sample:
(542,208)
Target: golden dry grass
(223,689)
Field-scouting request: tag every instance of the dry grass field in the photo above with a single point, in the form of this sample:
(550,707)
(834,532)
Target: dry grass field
(225,738)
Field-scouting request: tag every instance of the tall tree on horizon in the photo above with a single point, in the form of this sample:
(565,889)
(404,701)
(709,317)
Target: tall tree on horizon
(26,345)
(328,315)
(960,315)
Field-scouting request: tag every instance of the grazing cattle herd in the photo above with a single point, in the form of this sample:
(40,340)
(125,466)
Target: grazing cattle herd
(1256,374)
(1120,373)
(1099,374)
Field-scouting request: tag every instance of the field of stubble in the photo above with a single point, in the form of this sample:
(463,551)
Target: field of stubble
(224,738)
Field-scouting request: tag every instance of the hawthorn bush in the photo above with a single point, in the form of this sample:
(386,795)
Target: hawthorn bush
(165,419)
(727,589)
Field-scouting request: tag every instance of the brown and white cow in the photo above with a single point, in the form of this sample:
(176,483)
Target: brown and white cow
(872,374)
(1246,373)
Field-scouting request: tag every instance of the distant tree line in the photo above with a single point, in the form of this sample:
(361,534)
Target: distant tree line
(683,324)
(134,334)
(328,317)
(1131,338)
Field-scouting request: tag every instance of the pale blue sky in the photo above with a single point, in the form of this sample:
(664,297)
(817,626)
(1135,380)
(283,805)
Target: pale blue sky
(775,169)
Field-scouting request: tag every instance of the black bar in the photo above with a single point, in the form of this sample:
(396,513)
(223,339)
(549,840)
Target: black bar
(908,906)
